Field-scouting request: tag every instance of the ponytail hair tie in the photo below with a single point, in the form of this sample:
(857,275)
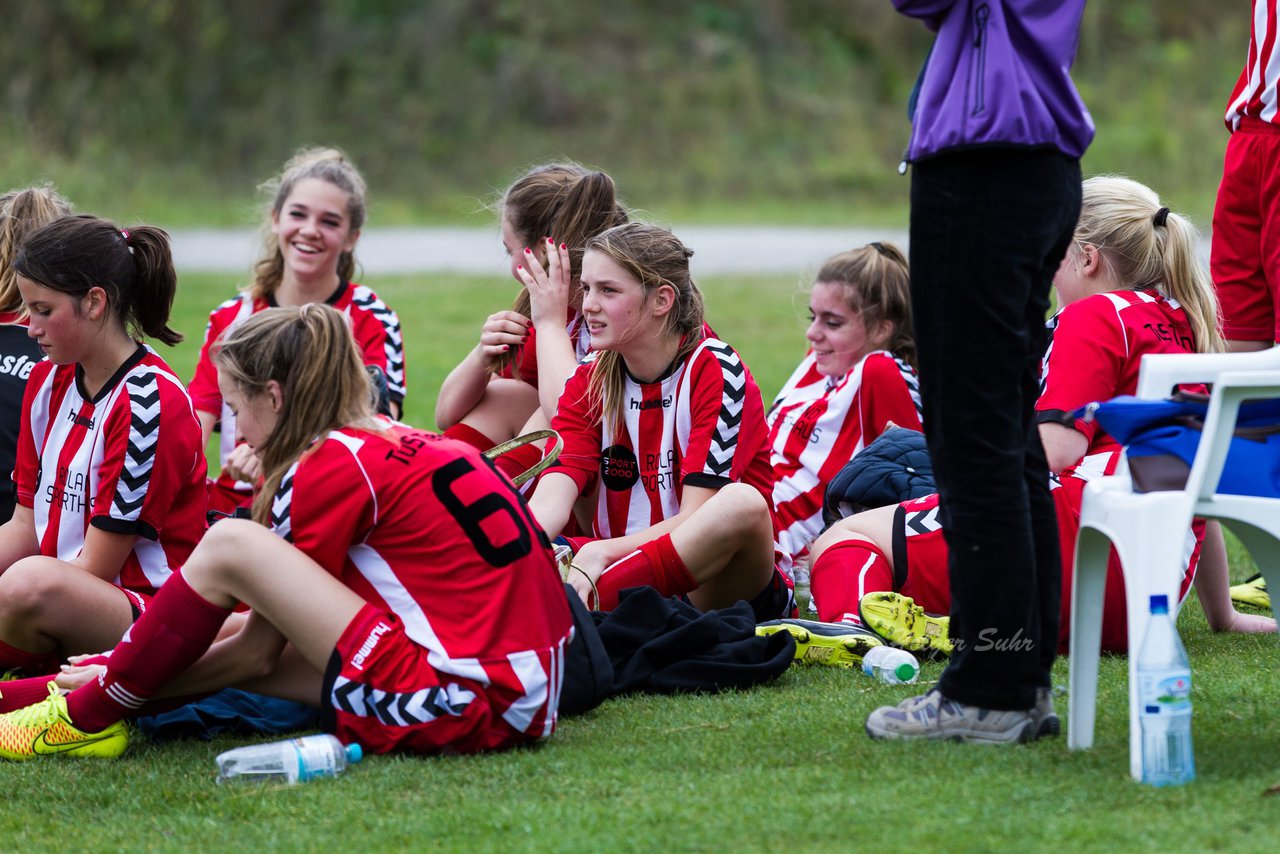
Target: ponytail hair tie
(124,234)
(879,247)
(1161,217)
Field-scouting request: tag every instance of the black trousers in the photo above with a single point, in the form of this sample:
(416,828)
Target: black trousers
(988,229)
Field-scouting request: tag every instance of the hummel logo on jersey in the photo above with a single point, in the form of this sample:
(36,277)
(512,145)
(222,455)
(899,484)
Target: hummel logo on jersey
(79,420)
(369,643)
(656,403)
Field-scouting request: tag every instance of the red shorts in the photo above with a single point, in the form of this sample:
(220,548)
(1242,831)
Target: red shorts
(918,544)
(381,692)
(1244,260)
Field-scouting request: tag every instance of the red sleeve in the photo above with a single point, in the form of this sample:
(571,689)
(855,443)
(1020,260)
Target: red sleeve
(204,385)
(324,504)
(579,426)
(377,330)
(885,396)
(151,454)
(1085,361)
(526,359)
(726,414)
(26,467)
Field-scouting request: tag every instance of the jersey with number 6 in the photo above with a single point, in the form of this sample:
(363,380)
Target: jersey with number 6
(423,526)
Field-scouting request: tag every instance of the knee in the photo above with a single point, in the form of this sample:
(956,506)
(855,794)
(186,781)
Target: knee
(743,504)
(227,544)
(28,587)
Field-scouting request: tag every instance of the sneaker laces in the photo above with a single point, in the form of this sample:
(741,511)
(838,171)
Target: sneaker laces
(43,713)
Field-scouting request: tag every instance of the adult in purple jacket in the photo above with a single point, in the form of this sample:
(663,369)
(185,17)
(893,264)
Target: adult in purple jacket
(997,134)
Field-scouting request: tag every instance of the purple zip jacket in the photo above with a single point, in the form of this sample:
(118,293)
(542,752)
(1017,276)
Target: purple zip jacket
(999,75)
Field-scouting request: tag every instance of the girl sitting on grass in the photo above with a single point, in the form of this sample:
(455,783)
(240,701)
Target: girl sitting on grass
(110,472)
(525,354)
(666,425)
(317,209)
(402,584)
(856,381)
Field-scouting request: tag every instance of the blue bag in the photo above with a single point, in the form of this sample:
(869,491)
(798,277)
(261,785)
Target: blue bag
(1161,437)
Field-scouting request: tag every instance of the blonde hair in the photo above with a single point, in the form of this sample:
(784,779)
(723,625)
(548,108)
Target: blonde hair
(564,201)
(877,285)
(310,352)
(653,256)
(325,164)
(1119,216)
(23,211)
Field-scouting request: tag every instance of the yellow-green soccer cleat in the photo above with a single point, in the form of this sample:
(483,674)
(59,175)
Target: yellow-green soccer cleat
(832,644)
(1252,592)
(900,621)
(44,729)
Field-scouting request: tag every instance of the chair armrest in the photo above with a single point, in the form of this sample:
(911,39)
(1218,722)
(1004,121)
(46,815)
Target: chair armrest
(1160,372)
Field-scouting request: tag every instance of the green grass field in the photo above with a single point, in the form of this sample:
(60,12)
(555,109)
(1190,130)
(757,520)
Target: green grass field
(785,767)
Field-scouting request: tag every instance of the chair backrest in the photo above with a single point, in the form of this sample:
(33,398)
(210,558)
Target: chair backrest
(1236,377)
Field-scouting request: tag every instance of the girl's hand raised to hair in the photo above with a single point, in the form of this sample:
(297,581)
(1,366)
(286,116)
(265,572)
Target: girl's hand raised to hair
(549,289)
(503,331)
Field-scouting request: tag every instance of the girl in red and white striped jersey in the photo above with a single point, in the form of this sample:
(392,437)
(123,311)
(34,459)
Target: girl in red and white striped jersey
(110,471)
(856,380)
(1129,285)
(317,209)
(666,425)
(511,381)
(403,585)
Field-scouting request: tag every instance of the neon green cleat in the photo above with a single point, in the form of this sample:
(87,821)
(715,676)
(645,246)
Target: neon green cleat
(900,621)
(1252,592)
(832,644)
(44,729)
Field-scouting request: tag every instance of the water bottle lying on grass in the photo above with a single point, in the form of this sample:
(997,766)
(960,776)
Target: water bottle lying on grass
(295,760)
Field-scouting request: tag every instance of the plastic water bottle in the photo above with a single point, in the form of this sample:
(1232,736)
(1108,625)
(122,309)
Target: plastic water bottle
(1164,702)
(296,760)
(890,664)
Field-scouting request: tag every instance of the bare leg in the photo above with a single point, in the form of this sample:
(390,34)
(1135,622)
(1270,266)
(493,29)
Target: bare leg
(47,605)
(727,545)
(1213,586)
(503,411)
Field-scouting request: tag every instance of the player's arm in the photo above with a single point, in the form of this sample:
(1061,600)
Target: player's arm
(104,553)
(552,502)
(462,389)
(18,537)
(1063,446)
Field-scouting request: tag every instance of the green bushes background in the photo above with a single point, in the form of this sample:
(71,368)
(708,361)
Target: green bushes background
(718,111)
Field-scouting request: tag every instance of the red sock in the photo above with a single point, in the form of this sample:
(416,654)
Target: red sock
(844,574)
(173,633)
(30,663)
(21,693)
(655,564)
(470,435)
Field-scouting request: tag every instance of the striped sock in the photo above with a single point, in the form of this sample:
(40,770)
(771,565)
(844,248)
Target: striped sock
(173,633)
(30,663)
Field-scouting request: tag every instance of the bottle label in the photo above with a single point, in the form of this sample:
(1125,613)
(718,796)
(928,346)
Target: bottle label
(1165,692)
(315,758)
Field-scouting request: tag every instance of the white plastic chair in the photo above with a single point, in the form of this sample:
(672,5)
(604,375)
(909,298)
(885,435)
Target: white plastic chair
(1146,528)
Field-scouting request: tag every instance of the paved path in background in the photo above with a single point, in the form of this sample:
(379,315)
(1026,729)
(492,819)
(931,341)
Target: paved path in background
(717,250)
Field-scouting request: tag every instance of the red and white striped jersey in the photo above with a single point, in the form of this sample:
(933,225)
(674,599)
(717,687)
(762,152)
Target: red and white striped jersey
(818,423)
(425,527)
(1255,92)
(127,461)
(377,332)
(700,424)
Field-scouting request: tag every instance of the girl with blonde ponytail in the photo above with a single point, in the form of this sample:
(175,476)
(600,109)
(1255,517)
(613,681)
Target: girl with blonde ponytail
(664,424)
(400,584)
